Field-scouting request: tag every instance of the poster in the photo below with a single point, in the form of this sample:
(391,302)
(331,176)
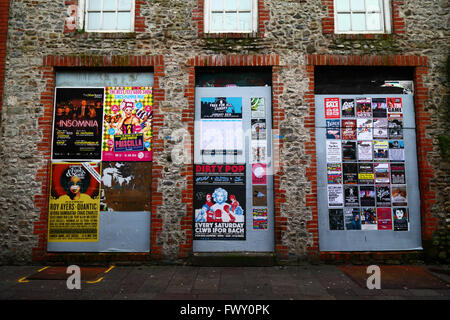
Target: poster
(219,202)
(259,173)
(78,124)
(333,129)
(368,219)
(351,196)
(258,129)
(350,173)
(348,108)
(333,151)
(221,108)
(260,218)
(74,203)
(380,128)
(381,171)
(365,150)
(379,108)
(349,150)
(395,107)
(384,218)
(367,196)
(332,109)
(395,128)
(365,173)
(396,150)
(221,137)
(349,129)
(352,218)
(258,108)
(363,108)
(398,173)
(401,219)
(127,134)
(383,195)
(336,219)
(399,196)
(259,195)
(258,151)
(364,129)
(380,150)
(334,173)
(335,196)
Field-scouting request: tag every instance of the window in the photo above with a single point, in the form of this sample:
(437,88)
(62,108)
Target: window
(362,16)
(223,16)
(109,15)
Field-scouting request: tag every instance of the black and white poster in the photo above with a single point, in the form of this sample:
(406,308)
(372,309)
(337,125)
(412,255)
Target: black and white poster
(219,202)
(383,195)
(336,219)
(398,173)
(351,196)
(350,172)
(335,196)
(349,150)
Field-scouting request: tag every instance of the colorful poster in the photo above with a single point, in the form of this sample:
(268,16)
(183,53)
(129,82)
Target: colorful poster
(335,196)
(384,217)
(260,196)
(260,218)
(333,129)
(365,150)
(367,196)
(398,173)
(348,108)
(364,129)
(395,107)
(352,218)
(365,173)
(401,219)
(78,124)
(399,196)
(383,195)
(258,108)
(259,173)
(396,150)
(381,171)
(127,134)
(332,109)
(221,108)
(258,129)
(363,108)
(334,173)
(219,202)
(379,108)
(349,150)
(368,219)
(336,219)
(350,172)
(334,151)
(74,203)
(349,129)
(380,128)
(380,150)
(351,196)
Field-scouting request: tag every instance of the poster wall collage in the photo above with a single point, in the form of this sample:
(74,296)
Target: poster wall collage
(109,126)
(220,192)
(365,156)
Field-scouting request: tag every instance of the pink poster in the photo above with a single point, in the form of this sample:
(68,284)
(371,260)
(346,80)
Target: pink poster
(259,173)
(384,217)
(332,109)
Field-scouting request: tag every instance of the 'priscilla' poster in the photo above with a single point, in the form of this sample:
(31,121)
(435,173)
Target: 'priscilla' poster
(74,203)
(219,202)
(77,126)
(128,124)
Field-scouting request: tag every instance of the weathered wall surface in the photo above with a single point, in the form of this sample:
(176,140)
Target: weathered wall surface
(293,31)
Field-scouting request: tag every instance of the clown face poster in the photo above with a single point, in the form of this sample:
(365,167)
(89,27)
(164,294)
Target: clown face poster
(77,124)
(219,202)
(127,134)
(74,203)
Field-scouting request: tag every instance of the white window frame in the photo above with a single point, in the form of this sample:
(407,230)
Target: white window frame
(83,17)
(208,12)
(385,23)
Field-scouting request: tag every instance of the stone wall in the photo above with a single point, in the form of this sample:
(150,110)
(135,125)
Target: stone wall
(293,30)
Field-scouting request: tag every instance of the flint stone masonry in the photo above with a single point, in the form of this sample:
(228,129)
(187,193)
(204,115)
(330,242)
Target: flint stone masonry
(36,29)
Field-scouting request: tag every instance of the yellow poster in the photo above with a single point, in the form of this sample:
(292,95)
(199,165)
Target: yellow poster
(74,204)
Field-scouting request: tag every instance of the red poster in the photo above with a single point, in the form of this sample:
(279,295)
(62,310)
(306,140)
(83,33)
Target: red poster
(332,109)
(259,173)
(384,218)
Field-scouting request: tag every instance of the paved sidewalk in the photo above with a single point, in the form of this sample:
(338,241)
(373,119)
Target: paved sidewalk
(310,282)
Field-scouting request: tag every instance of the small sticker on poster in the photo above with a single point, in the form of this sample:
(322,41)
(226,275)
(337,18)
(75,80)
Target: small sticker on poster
(334,151)
(332,109)
(259,173)
(384,217)
(368,219)
(401,219)
(335,196)
(260,218)
(258,108)
(259,196)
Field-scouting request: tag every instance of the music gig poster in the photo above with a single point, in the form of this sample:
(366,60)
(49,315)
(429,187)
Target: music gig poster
(219,202)
(77,124)
(127,134)
(74,203)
